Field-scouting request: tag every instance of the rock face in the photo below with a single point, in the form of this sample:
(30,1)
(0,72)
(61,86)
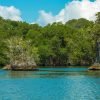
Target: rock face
(7,67)
(96,66)
(20,68)
(22,55)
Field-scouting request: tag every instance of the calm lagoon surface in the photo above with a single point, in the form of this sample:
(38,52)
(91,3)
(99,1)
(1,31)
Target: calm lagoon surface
(50,84)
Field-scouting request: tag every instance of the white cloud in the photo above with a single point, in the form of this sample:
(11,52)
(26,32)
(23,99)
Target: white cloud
(10,13)
(74,10)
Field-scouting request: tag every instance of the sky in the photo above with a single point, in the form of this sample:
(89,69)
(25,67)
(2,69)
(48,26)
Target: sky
(48,11)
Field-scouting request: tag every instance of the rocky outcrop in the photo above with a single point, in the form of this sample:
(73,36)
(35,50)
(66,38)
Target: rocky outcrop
(21,54)
(96,66)
(7,67)
(20,68)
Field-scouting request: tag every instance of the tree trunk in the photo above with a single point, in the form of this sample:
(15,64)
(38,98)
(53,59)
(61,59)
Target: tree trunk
(96,65)
(98,52)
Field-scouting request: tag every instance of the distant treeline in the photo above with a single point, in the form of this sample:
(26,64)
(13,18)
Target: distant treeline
(57,44)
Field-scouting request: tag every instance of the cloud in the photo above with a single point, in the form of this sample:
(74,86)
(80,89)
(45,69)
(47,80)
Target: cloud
(73,10)
(10,13)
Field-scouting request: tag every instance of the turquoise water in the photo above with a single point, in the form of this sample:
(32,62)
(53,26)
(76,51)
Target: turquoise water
(50,84)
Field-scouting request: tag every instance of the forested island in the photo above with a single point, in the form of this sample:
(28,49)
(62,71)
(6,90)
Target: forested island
(57,44)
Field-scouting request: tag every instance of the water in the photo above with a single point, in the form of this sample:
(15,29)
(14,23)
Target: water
(50,84)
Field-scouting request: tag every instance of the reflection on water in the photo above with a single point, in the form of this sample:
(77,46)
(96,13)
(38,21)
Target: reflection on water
(50,84)
(50,73)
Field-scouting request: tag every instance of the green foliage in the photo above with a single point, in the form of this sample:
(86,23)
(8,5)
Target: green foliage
(20,52)
(55,44)
(98,18)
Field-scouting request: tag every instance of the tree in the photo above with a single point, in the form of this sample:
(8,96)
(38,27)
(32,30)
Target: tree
(97,36)
(98,18)
(55,44)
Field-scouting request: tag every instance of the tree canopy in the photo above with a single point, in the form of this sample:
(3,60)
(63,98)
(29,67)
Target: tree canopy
(57,44)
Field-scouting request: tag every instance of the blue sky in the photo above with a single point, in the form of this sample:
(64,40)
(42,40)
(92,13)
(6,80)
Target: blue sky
(30,8)
(38,10)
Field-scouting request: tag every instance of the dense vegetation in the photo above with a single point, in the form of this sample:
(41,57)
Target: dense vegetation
(56,44)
